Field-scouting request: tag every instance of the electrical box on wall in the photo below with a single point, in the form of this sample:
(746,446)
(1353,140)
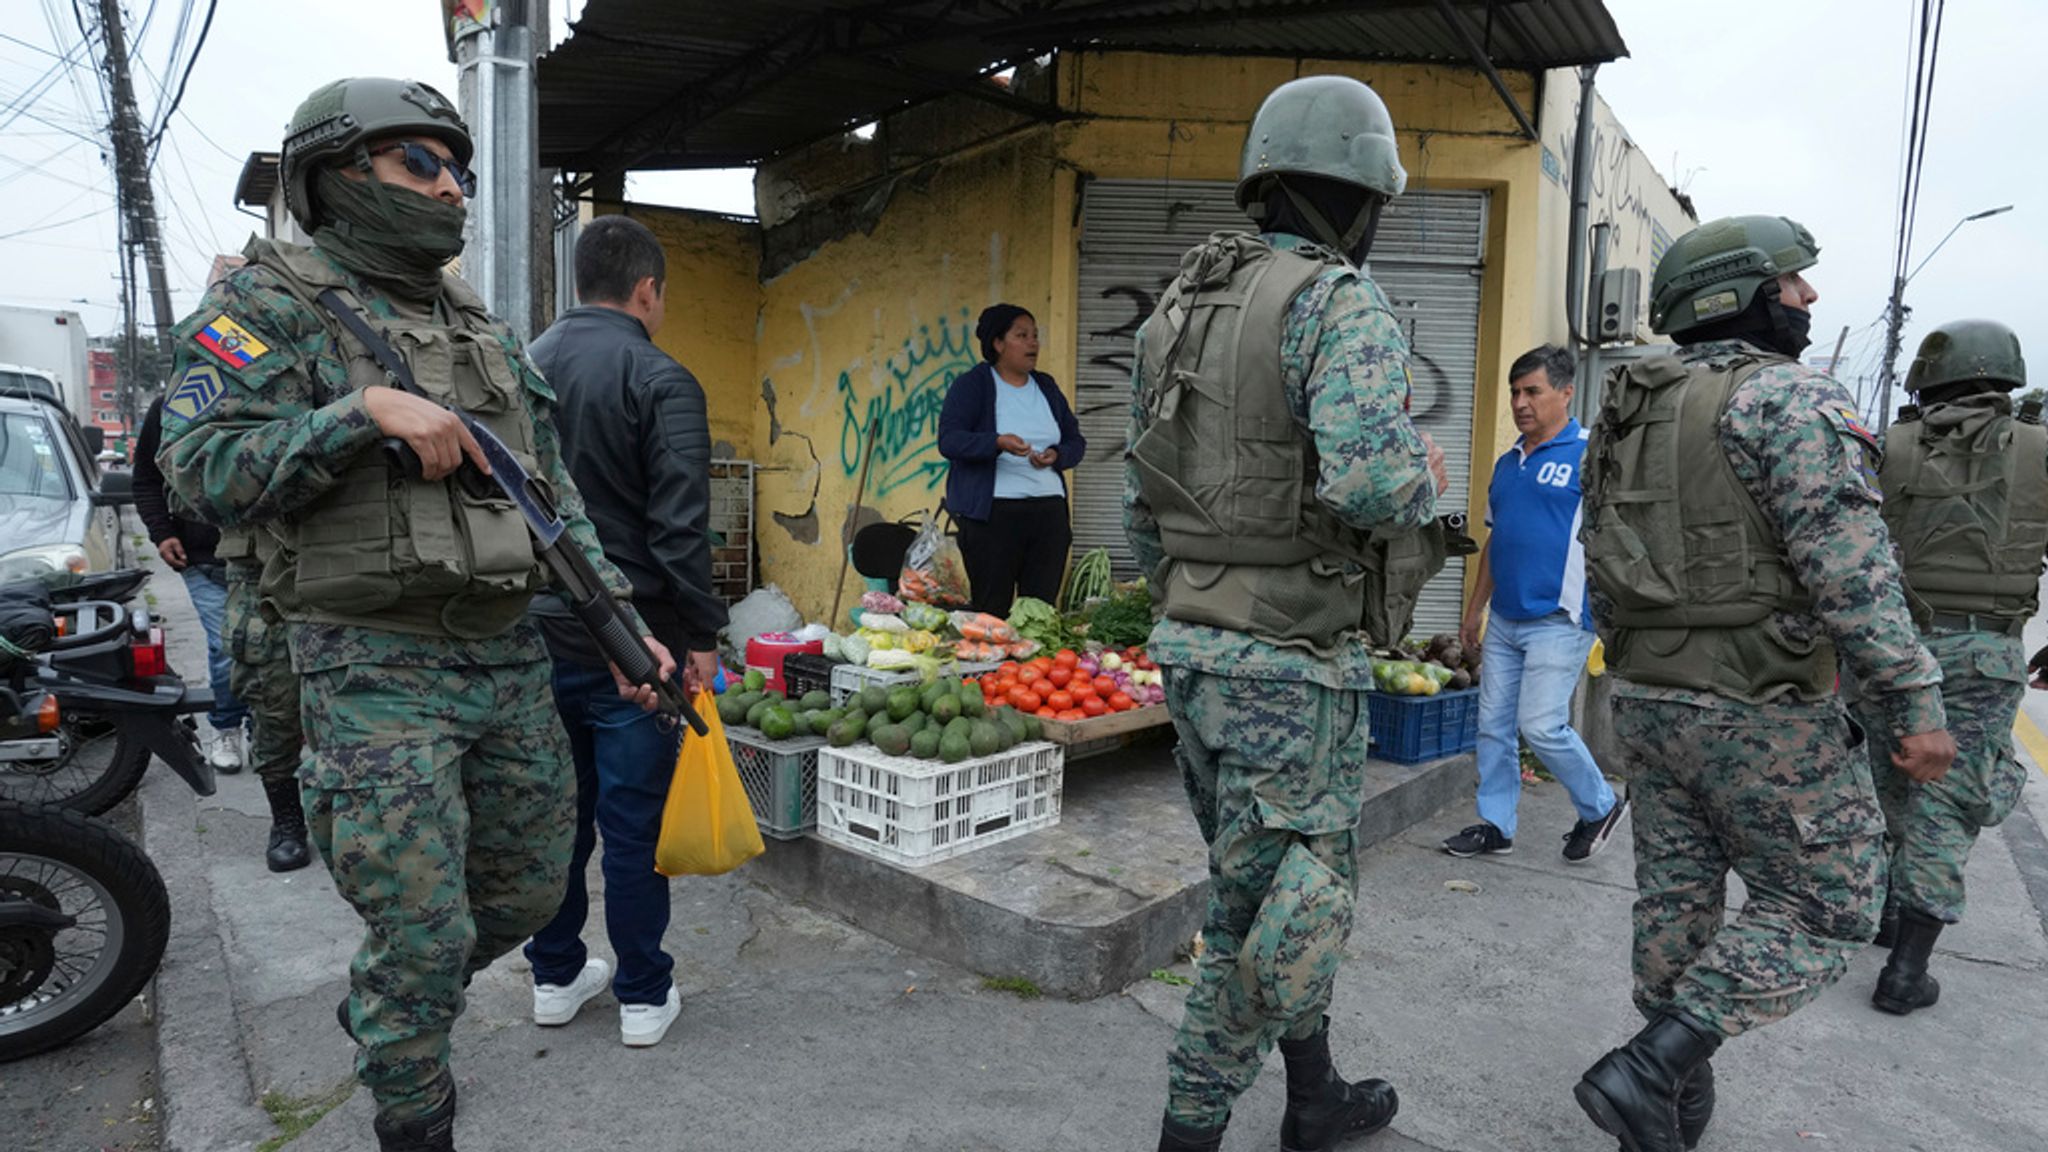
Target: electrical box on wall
(1618,308)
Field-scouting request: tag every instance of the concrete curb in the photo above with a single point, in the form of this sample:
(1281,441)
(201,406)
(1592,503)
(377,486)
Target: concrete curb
(203,1080)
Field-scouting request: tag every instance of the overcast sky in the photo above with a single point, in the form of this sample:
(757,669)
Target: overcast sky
(1791,107)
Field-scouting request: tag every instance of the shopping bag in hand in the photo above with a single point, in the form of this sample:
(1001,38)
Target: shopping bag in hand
(707,826)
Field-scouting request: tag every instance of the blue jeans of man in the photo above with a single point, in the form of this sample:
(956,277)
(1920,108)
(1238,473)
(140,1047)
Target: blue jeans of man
(624,759)
(1527,675)
(208,588)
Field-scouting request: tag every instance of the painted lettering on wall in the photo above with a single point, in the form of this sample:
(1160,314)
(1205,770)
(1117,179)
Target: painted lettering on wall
(904,397)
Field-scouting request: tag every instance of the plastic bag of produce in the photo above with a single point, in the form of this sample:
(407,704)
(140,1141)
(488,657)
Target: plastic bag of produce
(707,826)
(925,617)
(933,569)
(876,621)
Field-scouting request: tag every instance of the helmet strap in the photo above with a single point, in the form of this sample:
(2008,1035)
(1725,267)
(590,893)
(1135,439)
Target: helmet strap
(1354,240)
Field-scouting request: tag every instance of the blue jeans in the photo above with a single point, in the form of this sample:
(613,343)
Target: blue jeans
(624,759)
(1527,675)
(209,591)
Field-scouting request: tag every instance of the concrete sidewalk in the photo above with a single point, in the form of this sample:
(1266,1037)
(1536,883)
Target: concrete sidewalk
(802,1032)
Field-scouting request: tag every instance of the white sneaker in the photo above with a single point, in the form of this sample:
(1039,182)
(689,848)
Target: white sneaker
(556,1004)
(227,753)
(643,1025)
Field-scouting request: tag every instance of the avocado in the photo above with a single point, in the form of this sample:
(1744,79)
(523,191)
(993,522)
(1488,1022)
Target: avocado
(746,700)
(778,723)
(848,731)
(983,739)
(821,721)
(891,739)
(754,681)
(902,702)
(930,693)
(960,726)
(759,710)
(1013,722)
(953,747)
(815,701)
(730,710)
(873,700)
(1033,730)
(925,744)
(971,703)
(915,722)
(946,708)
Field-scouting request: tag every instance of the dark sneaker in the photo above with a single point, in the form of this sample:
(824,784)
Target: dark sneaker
(1588,837)
(1480,837)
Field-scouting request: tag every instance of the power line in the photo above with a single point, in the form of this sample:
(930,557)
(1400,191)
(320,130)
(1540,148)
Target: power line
(57,224)
(198,46)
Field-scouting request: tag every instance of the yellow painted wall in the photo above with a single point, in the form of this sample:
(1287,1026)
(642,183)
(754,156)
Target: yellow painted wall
(714,305)
(877,324)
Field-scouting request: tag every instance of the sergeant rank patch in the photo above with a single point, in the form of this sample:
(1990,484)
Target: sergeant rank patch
(195,391)
(231,342)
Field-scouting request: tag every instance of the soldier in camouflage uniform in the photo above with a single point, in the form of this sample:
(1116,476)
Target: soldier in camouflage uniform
(438,782)
(1966,499)
(1733,536)
(1271,465)
(260,671)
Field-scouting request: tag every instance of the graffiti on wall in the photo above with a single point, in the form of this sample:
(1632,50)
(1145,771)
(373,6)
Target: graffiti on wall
(902,398)
(1622,184)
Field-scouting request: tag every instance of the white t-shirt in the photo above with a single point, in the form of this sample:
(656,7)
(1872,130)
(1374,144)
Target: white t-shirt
(1024,412)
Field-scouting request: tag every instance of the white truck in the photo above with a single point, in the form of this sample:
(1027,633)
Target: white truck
(45,344)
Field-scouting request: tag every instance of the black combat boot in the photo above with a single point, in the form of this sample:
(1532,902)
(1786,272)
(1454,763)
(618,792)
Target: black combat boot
(1695,1104)
(1323,1110)
(1905,985)
(1175,1136)
(288,850)
(428,1132)
(1888,924)
(1632,1093)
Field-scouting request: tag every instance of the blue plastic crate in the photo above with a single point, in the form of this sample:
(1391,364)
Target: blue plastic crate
(1412,729)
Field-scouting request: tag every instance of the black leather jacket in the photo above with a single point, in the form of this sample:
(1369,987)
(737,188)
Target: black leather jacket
(637,443)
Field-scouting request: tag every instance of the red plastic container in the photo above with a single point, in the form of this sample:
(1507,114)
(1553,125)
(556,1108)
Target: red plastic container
(766,652)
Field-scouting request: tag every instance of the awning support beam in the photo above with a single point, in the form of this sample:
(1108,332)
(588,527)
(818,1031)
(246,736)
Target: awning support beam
(1480,61)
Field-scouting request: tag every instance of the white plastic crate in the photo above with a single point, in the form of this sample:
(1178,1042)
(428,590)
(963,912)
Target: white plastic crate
(913,812)
(850,678)
(780,778)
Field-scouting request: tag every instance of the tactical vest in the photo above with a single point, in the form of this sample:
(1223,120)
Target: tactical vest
(1231,476)
(1966,500)
(1694,570)
(383,551)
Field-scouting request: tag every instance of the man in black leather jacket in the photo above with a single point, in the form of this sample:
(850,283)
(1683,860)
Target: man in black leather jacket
(637,442)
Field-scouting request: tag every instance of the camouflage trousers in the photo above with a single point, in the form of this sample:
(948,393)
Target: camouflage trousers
(1274,770)
(444,804)
(1932,826)
(1776,793)
(260,672)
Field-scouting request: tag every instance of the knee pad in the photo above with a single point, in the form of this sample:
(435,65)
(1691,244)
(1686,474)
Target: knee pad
(1290,955)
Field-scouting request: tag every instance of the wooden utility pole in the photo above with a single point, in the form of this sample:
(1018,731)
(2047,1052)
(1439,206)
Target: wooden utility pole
(138,199)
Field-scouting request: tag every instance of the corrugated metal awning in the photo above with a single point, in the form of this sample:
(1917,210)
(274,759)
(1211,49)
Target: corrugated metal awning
(717,83)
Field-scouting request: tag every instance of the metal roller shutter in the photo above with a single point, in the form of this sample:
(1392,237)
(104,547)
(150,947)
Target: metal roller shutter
(1428,259)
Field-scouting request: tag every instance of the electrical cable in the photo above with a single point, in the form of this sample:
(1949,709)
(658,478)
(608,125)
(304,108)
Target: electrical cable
(198,46)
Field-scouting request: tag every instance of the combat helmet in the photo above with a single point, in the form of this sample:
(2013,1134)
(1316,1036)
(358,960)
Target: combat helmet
(1328,126)
(1974,352)
(1712,272)
(338,119)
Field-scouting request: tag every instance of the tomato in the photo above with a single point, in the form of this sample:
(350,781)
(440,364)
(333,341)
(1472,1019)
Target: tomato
(1094,706)
(1105,685)
(1028,675)
(1059,675)
(1121,702)
(1059,701)
(1046,714)
(1066,658)
(1082,689)
(1027,701)
(1015,695)
(1007,668)
(1073,714)
(1044,664)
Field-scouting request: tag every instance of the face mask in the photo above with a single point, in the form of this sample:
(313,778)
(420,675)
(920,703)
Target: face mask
(388,233)
(1791,326)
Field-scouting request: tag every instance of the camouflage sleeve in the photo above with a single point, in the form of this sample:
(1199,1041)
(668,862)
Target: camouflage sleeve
(547,446)
(1344,356)
(1799,449)
(1140,526)
(249,431)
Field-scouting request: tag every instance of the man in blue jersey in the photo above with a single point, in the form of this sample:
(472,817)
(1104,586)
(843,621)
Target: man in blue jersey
(1533,574)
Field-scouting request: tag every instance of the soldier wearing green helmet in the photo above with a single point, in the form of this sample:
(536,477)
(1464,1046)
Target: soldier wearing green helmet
(1276,491)
(437,782)
(1739,563)
(1965,480)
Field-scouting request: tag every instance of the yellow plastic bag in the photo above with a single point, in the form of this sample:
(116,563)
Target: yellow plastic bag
(707,826)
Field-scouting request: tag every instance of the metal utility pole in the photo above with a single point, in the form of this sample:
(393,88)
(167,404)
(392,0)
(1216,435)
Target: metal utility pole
(131,170)
(496,91)
(1895,319)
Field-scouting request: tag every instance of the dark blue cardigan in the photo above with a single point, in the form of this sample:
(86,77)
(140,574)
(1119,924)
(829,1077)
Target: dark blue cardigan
(967,437)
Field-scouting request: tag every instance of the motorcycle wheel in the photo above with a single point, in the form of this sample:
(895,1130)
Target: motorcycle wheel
(97,768)
(57,987)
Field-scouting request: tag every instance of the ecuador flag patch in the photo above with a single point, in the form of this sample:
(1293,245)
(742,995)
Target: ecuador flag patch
(231,342)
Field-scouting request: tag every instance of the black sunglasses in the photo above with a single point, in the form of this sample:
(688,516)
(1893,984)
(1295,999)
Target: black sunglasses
(424,163)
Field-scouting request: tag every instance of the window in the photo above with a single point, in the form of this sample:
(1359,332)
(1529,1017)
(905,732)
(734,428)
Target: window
(30,464)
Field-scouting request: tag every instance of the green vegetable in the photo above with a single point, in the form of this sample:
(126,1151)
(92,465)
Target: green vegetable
(1124,619)
(1088,580)
(1036,620)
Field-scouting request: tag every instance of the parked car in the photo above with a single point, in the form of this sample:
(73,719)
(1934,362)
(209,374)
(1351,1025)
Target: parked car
(59,509)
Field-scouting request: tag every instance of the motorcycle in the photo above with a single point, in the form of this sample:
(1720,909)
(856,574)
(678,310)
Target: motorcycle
(84,918)
(83,711)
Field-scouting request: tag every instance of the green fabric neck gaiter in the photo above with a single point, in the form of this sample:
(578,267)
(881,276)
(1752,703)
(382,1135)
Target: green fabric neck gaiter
(393,236)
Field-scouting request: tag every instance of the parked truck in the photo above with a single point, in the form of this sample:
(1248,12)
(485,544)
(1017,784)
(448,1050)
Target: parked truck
(48,343)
